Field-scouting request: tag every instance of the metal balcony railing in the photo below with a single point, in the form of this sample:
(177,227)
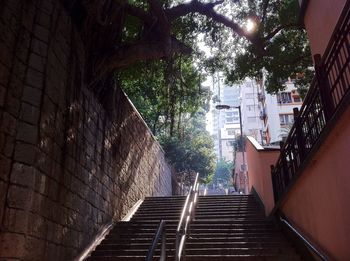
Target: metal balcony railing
(329,90)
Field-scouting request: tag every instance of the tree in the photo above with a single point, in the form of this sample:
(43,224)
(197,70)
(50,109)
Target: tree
(223,172)
(283,51)
(165,92)
(194,150)
(120,34)
(239,143)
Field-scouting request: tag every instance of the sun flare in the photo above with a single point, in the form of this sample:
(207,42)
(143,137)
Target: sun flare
(250,25)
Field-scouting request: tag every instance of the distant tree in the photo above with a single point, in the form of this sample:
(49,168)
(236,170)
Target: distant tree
(223,171)
(239,143)
(165,92)
(193,151)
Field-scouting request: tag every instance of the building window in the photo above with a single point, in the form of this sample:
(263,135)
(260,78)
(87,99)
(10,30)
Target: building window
(284,97)
(229,120)
(286,119)
(232,117)
(249,95)
(250,107)
(231,132)
(231,113)
(230,143)
(251,119)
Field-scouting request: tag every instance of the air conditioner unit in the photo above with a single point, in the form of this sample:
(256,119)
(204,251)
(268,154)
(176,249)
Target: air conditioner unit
(243,167)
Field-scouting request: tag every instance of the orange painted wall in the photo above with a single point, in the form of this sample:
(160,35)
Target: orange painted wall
(259,162)
(319,203)
(320,19)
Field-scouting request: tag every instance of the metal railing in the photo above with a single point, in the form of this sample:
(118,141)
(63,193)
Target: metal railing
(182,228)
(328,89)
(160,234)
(306,242)
(187,215)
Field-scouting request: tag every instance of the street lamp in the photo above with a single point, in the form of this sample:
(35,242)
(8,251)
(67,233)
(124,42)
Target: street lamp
(226,107)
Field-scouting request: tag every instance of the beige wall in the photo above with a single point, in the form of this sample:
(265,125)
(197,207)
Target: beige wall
(319,203)
(320,19)
(259,161)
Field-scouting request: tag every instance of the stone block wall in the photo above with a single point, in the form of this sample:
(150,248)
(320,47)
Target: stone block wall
(67,166)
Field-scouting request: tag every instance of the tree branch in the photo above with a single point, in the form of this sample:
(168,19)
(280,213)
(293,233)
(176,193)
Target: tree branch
(163,22)
(266,5)
(278,29)
(130,54)
(139,13)
(207,9)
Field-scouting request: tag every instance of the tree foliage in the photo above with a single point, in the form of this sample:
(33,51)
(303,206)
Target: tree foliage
(165,93)
(122,33)
(285,52)
(239,143)
(223,172)
(192,151)
(148,43)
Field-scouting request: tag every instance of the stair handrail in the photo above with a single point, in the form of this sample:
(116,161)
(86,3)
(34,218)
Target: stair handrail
(304,240)
(161,233)
(186,216)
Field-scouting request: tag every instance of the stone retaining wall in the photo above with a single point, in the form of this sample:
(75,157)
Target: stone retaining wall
(67,166)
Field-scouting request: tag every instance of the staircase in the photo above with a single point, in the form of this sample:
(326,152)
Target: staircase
(131,240)
(234,227)
(225,228)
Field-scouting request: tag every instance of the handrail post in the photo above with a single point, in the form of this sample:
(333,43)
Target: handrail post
(324,88)
(163,249)
(285,171)
(274,183)
(299,134)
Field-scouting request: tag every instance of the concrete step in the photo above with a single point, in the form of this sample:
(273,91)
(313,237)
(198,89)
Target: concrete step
(165,198)
(194,234)
(229,215)
(162,203)
(222,210)
(194,245)
(226,238)
(160,209)
(195,225)
(200,251)
(205,258)
(209,222)
(224,228)
(228,203)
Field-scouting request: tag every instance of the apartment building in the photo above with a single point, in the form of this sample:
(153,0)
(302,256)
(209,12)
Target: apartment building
(276,112)
(251,122)
(225,123)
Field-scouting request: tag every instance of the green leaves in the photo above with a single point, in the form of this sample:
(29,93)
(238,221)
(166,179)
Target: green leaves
(168,91)
(165,92)
(286,51)
(194,151)
(223,172)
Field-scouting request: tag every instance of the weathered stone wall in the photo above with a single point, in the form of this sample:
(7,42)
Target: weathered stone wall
(67,166)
